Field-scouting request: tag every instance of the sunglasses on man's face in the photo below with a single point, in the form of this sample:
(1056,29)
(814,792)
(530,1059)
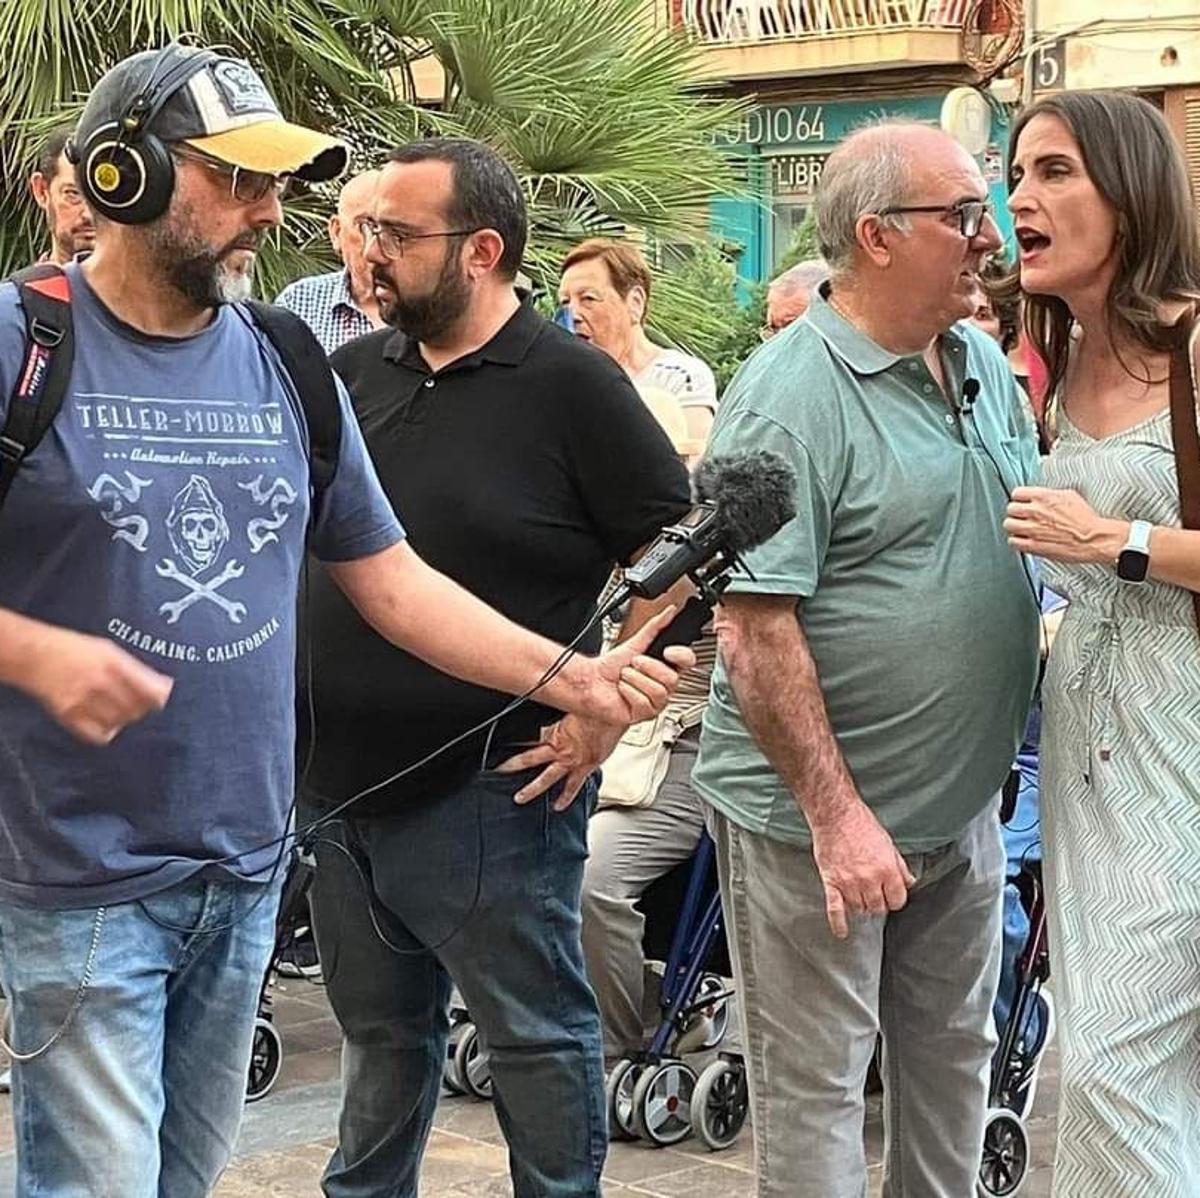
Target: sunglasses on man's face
(245,186)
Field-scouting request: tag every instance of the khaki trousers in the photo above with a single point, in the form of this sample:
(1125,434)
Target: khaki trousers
(628,849)
(812,1007)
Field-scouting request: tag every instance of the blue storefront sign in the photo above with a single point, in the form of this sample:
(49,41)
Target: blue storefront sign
(784,147)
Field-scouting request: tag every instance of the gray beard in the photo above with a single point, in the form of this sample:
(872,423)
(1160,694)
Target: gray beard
(197,273)
(208,283)
(234,287)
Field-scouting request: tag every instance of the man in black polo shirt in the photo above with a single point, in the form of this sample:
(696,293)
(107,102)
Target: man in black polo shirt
(526,465)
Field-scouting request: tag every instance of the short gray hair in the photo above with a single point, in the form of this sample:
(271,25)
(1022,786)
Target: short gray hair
(801,278)
(868,172)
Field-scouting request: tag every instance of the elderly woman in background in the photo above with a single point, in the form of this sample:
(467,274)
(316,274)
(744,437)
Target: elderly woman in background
(1109,266)
(641,830)
(605,286)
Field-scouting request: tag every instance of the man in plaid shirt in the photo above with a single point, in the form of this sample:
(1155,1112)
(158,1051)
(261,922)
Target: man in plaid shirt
(340,305)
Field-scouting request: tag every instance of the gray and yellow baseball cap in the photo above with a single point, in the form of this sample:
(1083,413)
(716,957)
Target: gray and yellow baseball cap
(222,107)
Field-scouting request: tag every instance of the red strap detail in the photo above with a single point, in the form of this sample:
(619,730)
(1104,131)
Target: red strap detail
(57,287)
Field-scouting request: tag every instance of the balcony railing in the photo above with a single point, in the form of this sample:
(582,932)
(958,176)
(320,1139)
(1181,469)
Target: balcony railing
(734,22)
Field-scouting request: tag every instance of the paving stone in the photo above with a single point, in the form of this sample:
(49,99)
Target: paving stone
(287,1137)
(468,1117)
(453,1160)
(641,1164)
(294,1173)
(703,1181)
(740,1153)
(307,1068)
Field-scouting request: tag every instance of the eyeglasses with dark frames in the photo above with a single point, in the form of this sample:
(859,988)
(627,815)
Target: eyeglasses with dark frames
(392,240)
(245,186)
(970,213)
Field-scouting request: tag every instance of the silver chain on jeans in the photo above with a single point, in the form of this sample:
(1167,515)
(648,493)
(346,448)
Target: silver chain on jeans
(84,982)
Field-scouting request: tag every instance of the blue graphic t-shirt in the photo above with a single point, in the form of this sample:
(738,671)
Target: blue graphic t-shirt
(166,509)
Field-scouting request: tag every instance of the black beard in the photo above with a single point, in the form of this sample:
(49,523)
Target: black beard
(427,317)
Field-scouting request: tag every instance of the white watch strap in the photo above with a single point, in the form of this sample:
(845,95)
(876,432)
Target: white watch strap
(1139,536)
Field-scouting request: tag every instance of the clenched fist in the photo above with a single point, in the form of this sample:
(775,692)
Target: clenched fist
(90,686)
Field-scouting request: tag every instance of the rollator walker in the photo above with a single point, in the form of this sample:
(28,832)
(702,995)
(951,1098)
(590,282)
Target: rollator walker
(1023,1041)
(266,1053)
(657,1095)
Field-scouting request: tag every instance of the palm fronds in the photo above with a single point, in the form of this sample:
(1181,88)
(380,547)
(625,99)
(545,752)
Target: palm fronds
(591,103)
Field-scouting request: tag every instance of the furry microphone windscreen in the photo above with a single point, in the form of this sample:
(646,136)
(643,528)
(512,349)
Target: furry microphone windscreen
(754,493)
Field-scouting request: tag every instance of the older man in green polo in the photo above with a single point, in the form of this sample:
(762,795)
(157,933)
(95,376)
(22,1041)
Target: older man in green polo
(874,680)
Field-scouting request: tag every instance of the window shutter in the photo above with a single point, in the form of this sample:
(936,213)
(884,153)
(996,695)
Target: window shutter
(1191,140)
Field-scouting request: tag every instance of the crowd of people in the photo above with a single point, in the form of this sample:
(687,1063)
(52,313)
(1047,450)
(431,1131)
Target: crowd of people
(980,451)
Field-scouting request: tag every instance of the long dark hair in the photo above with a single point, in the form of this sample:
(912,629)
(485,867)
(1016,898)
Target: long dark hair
(1132,158)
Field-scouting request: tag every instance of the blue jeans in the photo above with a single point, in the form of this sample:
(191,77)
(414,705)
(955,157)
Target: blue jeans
(141,1095)
(469,886)
(1022,845)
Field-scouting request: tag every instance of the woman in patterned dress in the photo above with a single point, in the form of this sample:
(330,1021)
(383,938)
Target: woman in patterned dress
(1109,261)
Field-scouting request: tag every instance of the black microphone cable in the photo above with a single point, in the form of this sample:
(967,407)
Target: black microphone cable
(966,411)
(300,834)
(745,498)
(307,837)
(552,672)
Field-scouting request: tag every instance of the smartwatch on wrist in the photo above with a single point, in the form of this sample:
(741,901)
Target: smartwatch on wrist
(1133,562)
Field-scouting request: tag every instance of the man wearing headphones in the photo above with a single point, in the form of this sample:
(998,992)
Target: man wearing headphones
(151,549)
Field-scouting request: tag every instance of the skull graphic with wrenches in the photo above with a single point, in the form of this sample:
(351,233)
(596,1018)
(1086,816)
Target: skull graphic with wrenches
(199,533)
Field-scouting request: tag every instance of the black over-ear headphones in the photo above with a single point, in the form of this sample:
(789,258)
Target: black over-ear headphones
(124,172)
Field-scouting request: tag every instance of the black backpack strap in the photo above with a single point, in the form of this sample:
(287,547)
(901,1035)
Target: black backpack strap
(312,376)
(45,374)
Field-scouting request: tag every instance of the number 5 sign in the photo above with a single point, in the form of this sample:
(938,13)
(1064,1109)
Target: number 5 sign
(1050,67)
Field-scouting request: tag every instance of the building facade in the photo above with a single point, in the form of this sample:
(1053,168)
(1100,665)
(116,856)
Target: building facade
(785,145)
(1151,49)
(816,70)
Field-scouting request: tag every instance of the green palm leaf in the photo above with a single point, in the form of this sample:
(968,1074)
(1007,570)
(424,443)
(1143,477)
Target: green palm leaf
(594,107)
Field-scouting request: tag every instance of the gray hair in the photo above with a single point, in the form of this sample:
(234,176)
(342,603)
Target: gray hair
(868,172)
(799,279)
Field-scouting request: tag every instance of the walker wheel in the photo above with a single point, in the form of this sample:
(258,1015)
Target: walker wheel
(1005,1154)
(662,1103)
(266,1059)
(717,1011)
(720,1103)
(471,1063)
(452,1076)
(618,1099)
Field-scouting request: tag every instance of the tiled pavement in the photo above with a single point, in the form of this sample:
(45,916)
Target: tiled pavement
(287,1137)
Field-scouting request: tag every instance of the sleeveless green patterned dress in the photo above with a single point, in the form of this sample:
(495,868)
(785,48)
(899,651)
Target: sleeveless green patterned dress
(1121,821)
